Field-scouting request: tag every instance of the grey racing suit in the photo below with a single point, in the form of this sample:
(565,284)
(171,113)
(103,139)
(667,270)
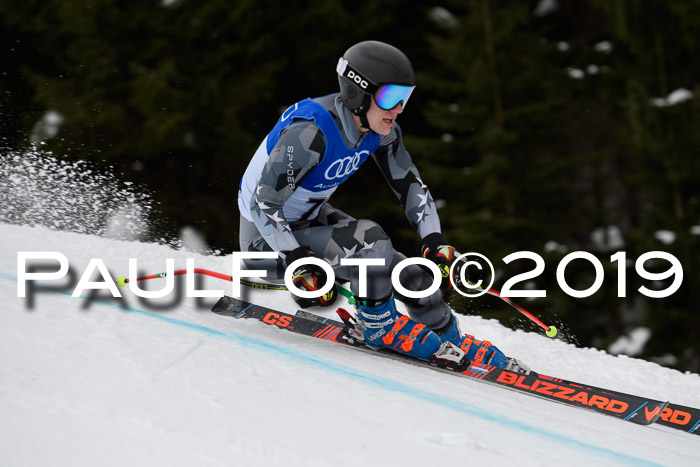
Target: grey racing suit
(280,211)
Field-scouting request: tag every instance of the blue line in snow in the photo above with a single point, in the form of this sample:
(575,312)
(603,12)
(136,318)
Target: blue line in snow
(377,381)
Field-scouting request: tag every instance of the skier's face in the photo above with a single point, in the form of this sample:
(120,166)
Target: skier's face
(382,121)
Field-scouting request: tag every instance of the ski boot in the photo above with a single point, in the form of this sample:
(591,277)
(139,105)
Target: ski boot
(382,326)
(479,351)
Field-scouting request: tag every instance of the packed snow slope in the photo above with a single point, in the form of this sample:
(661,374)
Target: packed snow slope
(93,380)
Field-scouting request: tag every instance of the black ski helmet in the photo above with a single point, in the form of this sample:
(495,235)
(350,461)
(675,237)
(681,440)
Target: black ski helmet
(365,67)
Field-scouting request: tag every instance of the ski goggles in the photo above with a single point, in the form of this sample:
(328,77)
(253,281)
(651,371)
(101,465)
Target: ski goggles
(388,96)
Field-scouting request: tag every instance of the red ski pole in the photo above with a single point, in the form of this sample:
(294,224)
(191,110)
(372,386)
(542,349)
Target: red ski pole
(551,331)
(122,280)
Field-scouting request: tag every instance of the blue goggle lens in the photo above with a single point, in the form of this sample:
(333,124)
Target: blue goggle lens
(389,95)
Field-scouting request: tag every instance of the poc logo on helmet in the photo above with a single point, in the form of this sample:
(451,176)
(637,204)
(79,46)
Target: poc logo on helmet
(357,79)
(351,75)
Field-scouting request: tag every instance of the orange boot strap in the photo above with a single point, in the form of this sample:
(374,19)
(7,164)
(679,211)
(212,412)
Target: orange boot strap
(479,357)
(400,323)
(407,344)
(466,343)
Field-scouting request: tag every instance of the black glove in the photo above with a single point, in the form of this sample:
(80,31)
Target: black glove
(309,277)
(435,248)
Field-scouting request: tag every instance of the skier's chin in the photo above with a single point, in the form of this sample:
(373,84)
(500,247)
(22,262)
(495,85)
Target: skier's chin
(384,127)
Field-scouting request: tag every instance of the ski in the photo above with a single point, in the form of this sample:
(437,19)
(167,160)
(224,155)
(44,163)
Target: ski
(636,409)
(681,418)
(678,416)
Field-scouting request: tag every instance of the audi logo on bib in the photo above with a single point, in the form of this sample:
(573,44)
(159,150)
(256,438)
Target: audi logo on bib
(341,168)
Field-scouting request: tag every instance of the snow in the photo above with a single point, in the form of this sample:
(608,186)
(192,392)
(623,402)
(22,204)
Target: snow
(193,240)
(592,69)
(37,188)
(605,47)
(95,380)
(667,237)
(632,344)
(88,381)
(678,96)
(443,17)
(551,246)
(575,73)
(608,238)
(545,7)
(47,127)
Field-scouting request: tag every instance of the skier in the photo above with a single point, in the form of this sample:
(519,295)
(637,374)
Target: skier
(315,146)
